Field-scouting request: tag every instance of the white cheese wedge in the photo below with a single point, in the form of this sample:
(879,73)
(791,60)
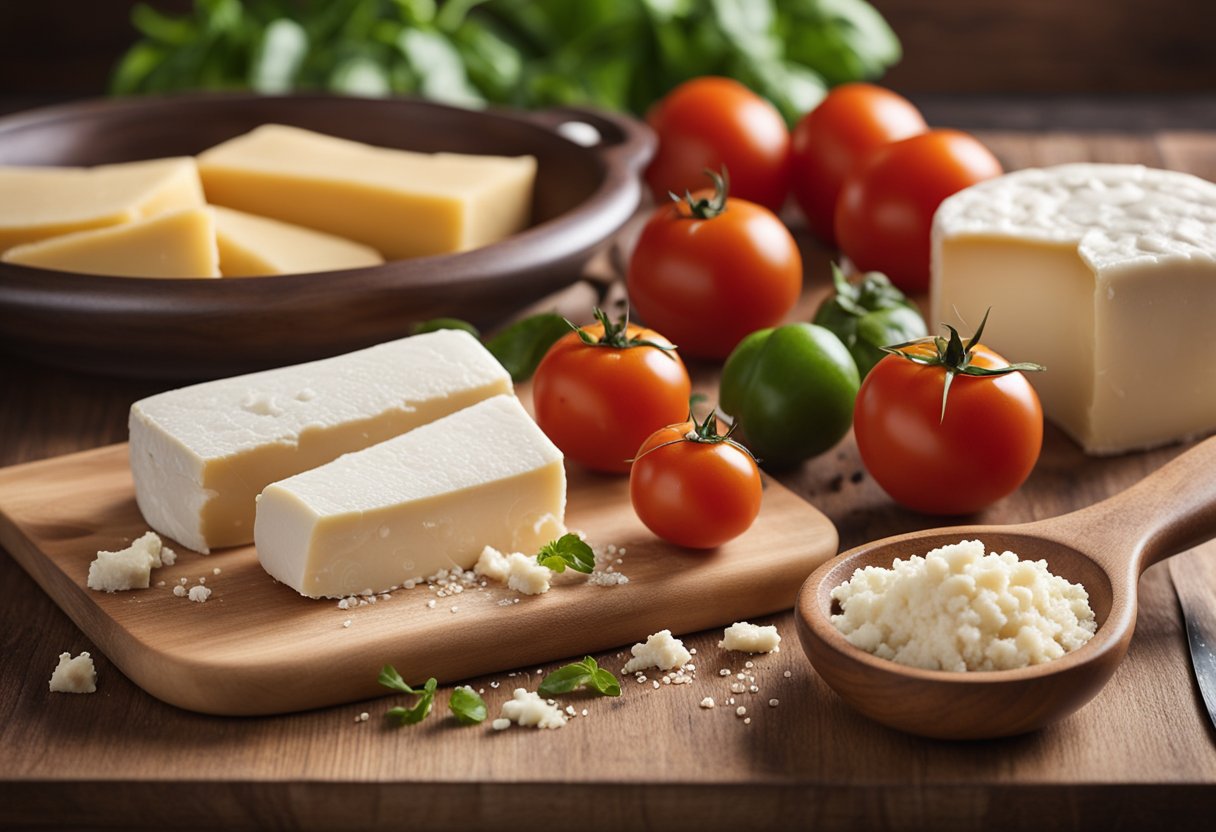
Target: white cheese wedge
(252,246)
(431,499)
(401,203)
(178,244)
(200,455)
(1105,274)
(41,202)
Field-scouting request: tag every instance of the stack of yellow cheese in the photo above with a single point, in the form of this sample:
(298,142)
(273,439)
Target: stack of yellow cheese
(278,200)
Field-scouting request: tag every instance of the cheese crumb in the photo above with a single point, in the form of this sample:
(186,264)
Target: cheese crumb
(527,708)
(707,702)
(129,568)
(500,724)
(199,593)
(749,638)
(660,651)
(517,570)
(74,675)
(168,557)
(492,564)
(179,591)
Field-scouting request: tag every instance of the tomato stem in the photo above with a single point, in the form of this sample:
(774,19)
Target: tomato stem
(955,356)
(616,335)
(704,432)
(706,208)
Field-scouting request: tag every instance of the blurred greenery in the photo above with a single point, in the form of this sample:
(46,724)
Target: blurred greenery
(619,54)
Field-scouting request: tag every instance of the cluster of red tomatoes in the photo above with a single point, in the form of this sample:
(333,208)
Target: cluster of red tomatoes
(714,264)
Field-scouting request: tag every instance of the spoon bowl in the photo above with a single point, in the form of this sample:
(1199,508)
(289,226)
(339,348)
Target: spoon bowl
(1104,548)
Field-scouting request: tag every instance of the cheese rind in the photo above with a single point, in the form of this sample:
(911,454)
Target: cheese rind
(37,203)
(430,499)
(402,204)
(179,244)
(200,455)
(1105,274)
(252,246)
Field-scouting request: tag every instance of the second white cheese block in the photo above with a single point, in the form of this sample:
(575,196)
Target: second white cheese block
(201,455)
(1105,274)
(430,499)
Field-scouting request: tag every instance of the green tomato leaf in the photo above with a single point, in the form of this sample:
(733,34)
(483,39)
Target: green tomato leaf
(436,324)
(467,706)
(567,551)
(521,346)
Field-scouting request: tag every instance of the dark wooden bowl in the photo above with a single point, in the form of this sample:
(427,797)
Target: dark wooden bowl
(174,328)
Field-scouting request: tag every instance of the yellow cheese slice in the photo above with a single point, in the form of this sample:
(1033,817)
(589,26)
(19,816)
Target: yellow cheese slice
(403,204)
(37,203)
(180,244)
(253,246)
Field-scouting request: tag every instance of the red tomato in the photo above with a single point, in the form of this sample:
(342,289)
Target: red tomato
(707,123)
(599,403)
(698,494)
(849,124)
(886,207)
(982,450)
(708,283)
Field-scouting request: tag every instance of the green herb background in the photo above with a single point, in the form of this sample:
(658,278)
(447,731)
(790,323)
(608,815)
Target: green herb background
(617,54)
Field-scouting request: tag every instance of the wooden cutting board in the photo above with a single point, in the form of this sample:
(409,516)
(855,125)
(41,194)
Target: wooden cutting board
(256,647)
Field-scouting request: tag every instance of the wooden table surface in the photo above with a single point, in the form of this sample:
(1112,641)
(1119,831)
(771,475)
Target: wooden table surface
(1141,755)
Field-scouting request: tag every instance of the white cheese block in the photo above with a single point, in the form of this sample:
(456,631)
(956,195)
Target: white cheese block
(1105,274)
(201,455)
(431,499)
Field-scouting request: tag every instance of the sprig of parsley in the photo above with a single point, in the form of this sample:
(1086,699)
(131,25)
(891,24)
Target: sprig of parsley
(465,704)
(586,673)
(567,551)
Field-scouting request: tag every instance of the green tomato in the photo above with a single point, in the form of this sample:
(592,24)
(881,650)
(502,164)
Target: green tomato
(791,391)
(868,316)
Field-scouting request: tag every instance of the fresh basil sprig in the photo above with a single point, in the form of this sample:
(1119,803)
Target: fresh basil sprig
(391,679)
(567,551)
(467,706)
(586,673)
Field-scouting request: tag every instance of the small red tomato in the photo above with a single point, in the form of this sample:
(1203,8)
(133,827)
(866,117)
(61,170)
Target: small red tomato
(885,213)
(598,393)
(960,460)
(707,123)
(695,488)
(849,124)
(711,269)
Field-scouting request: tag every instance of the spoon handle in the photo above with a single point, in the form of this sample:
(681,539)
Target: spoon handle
(1167,512)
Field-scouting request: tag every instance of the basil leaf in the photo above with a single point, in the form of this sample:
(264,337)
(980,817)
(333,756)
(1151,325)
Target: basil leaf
(565,679)
(567,551)
(390,678)
(467,706)
(605,682)
(521,346)
(279,57)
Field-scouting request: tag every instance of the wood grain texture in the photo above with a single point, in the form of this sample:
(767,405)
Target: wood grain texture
(228,655)
(1140,755)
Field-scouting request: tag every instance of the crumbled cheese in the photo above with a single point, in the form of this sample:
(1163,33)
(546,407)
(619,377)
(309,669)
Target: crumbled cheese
(517,570)
(707,702)
(772,703)
(749,638)
(607,579)
(787,674)
(199,593)
(216,571)
(959,609)
(129,568)
(500,724)
(527,708)
(660,651)
(179,591)
(168,557)
(492,564)
(740,711)
(74,675)
(346,623)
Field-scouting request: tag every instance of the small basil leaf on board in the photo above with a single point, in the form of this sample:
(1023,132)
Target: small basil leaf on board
(604,682)
(391,679)
(567,551)
(564,680)
(521,346)
(467,706)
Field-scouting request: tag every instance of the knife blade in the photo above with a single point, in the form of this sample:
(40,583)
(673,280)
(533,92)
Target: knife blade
(1194,577)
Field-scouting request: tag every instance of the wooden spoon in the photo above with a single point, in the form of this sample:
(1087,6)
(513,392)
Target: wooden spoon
(1104,547)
